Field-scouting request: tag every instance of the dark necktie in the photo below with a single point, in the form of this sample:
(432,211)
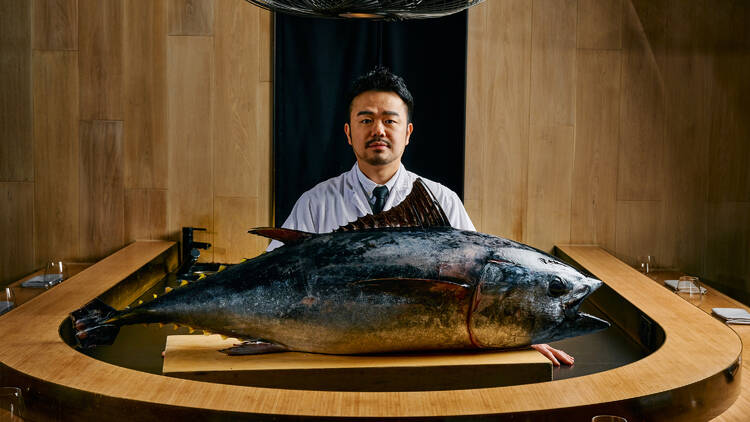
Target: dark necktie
(380,193)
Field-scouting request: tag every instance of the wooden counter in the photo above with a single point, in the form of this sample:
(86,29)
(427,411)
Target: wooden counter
(692,376)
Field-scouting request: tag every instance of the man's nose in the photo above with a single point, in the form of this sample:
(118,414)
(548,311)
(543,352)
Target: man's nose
(378,129)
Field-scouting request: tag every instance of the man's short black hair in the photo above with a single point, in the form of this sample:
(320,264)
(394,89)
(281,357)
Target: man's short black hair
(383,80)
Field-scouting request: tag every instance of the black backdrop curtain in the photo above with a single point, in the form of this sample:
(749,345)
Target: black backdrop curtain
(316,61)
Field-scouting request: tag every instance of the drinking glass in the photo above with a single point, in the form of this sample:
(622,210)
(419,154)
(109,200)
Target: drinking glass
(7,300)
(645,264)
(608,418)
(54,272)
(689,288)
(11,404)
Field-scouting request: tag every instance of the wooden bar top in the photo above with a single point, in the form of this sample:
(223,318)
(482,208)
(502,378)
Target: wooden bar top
(692,376)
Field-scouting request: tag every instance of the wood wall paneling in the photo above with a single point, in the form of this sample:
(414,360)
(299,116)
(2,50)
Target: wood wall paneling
(476,127)
(189,122)
(599,24)
(17,226)
(505,87)
(102,197)
(16,154)
(100,38)
(145,214)
(234,100)
(264,161)
(144,93)
(553,63)
(594,185)
(642,109)
(55,24)
(550,174)
(265,52)
(191,17)
(232,242)
(56,155)
(639,231)
(727,248)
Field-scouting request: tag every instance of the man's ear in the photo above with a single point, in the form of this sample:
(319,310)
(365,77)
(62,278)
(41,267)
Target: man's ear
(348,133)
(409,130)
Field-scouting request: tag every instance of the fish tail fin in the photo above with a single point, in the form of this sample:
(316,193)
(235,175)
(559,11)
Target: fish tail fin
(92,324)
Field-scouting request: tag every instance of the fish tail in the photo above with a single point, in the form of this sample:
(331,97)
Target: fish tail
(93,326)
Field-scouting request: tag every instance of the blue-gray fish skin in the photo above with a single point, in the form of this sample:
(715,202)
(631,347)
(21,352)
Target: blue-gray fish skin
(382,290)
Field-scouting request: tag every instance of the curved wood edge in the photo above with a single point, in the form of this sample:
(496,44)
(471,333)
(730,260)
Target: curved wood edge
(684,379)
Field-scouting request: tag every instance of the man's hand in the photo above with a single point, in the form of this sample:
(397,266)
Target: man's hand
(555,355)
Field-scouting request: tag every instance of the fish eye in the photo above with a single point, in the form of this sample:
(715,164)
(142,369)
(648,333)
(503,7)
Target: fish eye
(557,287)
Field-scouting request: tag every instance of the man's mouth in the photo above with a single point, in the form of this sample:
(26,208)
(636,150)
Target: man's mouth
(378,144)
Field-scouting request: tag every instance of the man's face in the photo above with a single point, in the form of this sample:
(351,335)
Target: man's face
(380,127)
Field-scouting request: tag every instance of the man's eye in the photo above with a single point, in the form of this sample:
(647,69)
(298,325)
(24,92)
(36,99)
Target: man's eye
(391,122)
(366,121)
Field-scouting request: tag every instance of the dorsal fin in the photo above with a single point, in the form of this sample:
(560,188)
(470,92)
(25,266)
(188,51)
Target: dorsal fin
(286,236)
(418,209)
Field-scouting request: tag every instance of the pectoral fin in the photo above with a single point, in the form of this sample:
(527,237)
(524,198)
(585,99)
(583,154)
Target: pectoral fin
(254,347)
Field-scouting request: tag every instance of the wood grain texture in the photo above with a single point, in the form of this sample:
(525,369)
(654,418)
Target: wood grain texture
(189,122)
(145,214)
(102,189)
(56,155)
(265,52)
(553,63)
(237,79)
(17,226)
(55,24)
(191,17)
(502,146)
(144,93)
(599,24)
(594,186)
(16,154)
(727,259)
(642,114)
(234,216)
(639,231)
(632,389)
(550,178)
(100,39)
(264,127)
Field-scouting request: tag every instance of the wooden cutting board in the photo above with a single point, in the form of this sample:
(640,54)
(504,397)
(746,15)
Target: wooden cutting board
(197,357)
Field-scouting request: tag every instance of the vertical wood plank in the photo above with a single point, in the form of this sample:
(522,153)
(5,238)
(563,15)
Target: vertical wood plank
(55,24)
(639,231)
(144,93)
(17,226)
(232,242)
(265,52)
(191,17)
(16,154)
(145,214)
(594,186)
(505,81)
(553,63)
(100,35)
(56,155)
(234,100)
(264,161)
(550,173)
(599,24)
(642,108)
(189,117)
(728,247)
(476,114)
(102,197)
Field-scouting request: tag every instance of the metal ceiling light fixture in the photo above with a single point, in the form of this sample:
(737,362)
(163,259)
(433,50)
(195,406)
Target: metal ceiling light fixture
(388,10)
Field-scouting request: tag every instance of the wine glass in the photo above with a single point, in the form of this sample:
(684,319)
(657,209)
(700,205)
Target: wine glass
(11,404)
(645,264)
(54,272)
(689,288)
(7,300)
(608,418)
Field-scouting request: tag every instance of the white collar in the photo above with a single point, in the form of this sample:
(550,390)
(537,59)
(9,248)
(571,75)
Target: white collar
(368,185)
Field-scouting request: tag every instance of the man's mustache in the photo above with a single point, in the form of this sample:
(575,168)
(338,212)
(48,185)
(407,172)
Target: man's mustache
(373,140)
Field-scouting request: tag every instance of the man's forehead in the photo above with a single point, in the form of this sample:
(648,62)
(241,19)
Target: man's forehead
(385,102)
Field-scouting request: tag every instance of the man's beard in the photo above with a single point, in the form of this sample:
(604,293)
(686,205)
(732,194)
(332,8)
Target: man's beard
(379,159)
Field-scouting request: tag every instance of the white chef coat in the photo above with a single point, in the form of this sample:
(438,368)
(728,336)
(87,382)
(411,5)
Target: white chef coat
(340,200)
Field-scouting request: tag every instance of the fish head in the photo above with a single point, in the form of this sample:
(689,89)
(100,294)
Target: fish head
(523,303)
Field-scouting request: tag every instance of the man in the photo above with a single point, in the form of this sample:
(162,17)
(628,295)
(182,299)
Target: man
(379,128)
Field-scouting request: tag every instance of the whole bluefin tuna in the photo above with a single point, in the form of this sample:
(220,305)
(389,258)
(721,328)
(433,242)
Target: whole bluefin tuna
(399,281)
